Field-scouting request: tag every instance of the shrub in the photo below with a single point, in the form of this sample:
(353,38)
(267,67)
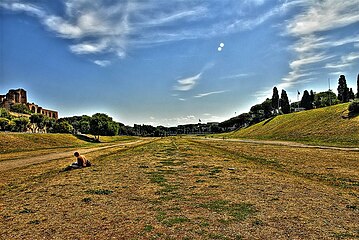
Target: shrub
(354,108)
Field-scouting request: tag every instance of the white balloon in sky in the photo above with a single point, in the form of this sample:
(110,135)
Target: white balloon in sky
(221,44)
(219,49)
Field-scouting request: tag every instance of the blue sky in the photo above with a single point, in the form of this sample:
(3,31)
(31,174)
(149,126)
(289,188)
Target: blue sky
(160,62)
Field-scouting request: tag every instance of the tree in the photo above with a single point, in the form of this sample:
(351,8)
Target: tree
(62,127)
(343,91)
(101,124)
(358,86)
(37,122)
(351,94)
(85,127)
(354,108)
(284,102)
(20,124)
(312,96)
(306,101)
(324,99)
(275,98)
(4,122)
(4,113)
(19,108)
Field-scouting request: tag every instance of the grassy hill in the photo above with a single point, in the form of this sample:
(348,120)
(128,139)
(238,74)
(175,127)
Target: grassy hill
(327,126)
(16,142)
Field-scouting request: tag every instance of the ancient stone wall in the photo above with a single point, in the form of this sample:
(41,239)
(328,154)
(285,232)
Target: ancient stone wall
(18,96)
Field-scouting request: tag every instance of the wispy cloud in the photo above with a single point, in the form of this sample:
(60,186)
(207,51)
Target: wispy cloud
(88,48)
(345,61)
(239,75)
(125,25)
(314,39)
(324,15)
(102,63)
(209,93)
(187,84)
(23,7)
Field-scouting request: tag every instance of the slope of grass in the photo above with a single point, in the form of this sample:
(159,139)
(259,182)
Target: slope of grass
(327,126)
(17,142)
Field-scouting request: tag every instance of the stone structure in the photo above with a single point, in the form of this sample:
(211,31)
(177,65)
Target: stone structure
(18,96)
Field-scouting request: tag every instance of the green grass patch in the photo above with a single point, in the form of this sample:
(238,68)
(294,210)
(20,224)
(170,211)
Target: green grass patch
(239,211)
(99,191)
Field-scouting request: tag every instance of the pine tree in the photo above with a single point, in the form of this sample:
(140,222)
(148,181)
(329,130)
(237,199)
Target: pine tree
(351,94)
(275,98)
(343,90)
(284,102)
(306,101)
(312,96)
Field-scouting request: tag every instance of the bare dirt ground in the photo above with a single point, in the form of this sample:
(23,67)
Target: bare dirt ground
(180,188)
(25,161)
(284,143)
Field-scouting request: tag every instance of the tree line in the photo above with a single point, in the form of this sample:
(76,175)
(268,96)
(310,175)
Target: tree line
(101,124)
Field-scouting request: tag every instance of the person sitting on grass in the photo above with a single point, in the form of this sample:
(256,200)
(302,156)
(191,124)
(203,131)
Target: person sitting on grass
(80,163)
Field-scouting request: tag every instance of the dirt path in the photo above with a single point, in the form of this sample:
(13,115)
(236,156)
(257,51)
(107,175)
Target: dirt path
(16,163)
(283,143)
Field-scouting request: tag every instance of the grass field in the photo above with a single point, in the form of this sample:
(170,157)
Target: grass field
(181,188)
(325,126)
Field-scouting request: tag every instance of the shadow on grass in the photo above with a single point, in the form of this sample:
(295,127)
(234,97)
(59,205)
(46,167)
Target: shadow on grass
(268,120)
(86,138)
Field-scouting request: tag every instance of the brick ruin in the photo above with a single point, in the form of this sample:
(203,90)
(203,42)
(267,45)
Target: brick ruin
(18,96)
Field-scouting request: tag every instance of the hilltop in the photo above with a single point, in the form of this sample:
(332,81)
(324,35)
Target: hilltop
(325,126)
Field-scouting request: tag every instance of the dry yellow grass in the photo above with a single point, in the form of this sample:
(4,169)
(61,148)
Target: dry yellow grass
(17,142)
(177,188)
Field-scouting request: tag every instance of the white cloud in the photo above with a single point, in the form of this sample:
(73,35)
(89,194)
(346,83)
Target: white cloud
(125,25)
(305,60)
(315,44)
(187,84)
(87,48)
(102,63)
(209,93)
(29,8)
(324,15)
(239,75)
(345,61)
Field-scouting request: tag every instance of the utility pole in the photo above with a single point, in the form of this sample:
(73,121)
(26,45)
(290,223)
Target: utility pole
(330,100)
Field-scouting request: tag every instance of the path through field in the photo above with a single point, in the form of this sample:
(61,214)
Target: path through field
(18,163)
(181,188)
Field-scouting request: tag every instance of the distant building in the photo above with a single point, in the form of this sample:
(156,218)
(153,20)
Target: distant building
(18,96)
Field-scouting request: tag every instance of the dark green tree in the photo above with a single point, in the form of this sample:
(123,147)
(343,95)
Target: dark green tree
(4,122)
(275,98)
(312,96)
(20,108)
(306,101)
(343,91)
(284,102)
(37,122)
(324,99)
(358,86)
(62,127)
(103,125)
(85,126)
(4,113)
(20,124)
(351,94)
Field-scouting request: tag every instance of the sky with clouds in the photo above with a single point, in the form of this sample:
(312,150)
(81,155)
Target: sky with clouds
(173,62)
